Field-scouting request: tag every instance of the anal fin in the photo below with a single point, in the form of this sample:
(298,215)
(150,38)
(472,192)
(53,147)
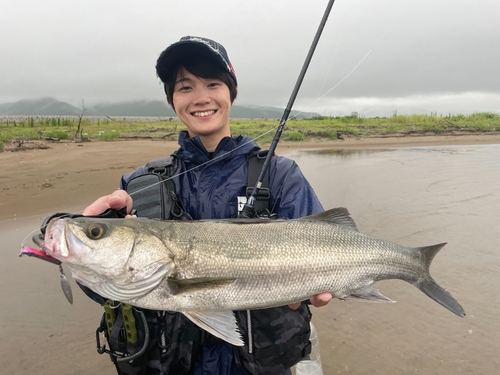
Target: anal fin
(221,324)
(370,293)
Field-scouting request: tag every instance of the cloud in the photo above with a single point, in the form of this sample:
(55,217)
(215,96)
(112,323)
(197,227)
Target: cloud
(106,51)
(442,104)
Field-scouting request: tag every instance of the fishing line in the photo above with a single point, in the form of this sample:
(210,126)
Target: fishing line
(352,70)
(248,210)
(328,72)
(23,242)
(257,137)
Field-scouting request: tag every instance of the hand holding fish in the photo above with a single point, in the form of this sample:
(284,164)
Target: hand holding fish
(318,300)
(115,200)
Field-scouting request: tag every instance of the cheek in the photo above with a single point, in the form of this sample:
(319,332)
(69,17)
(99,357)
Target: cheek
(179,102)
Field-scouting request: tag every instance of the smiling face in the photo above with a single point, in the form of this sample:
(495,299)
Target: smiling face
(203,105)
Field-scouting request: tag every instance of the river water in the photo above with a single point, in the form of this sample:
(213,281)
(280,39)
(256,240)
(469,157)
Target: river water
(413,196)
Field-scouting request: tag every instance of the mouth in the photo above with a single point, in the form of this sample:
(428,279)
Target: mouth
(40,254)
(203,113)
(48,247)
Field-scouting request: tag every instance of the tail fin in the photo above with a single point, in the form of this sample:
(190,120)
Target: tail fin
(431,288)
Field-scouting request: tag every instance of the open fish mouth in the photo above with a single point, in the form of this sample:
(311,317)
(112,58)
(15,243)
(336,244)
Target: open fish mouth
(40,254)
(48,246)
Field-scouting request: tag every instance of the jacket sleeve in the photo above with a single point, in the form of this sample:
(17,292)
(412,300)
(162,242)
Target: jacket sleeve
(291,194)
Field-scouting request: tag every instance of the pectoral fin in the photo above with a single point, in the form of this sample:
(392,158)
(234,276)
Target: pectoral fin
(221,324)
(371,293)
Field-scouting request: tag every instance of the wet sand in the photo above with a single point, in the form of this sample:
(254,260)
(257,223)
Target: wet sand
(41,333)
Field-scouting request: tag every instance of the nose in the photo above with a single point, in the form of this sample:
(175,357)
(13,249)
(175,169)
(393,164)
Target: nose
(201,96)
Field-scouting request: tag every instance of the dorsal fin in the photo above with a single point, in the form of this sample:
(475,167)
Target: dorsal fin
(338,216)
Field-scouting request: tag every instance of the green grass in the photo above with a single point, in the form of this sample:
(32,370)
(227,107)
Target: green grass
(109,136)
(320,127)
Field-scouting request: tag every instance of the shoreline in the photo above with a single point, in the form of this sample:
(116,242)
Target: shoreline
(397,141)
(67,174)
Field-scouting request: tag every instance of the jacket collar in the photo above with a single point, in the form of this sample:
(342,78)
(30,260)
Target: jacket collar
(192,150)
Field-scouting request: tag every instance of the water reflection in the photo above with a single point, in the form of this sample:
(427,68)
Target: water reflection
(343,153)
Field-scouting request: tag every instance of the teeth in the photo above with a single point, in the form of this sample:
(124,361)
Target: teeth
(206,113)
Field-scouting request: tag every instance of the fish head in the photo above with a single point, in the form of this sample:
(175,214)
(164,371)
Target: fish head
(125,256)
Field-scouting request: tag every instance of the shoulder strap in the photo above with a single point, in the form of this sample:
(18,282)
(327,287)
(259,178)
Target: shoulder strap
(164,166)
(255,163)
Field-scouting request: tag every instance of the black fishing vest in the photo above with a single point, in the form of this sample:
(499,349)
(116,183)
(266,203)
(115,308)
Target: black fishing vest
(169,343)
(155,196)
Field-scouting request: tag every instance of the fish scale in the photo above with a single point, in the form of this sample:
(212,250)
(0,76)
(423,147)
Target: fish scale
(207,268)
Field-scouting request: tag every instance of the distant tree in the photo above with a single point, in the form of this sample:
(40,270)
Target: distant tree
(79,129)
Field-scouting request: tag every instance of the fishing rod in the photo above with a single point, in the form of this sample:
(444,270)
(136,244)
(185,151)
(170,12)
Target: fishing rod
(248,210)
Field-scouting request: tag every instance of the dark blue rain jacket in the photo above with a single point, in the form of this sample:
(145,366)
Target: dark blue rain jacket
(209,186)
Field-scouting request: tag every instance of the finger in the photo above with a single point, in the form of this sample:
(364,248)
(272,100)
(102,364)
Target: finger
(321,299)
(294,306)
(116,200)
(99,205)
(119,199)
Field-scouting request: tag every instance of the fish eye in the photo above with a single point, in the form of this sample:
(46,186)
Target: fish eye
(95,231)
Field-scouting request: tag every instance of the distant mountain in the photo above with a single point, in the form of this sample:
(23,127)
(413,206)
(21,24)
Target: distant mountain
(141,108)
(40,107)
(270,112)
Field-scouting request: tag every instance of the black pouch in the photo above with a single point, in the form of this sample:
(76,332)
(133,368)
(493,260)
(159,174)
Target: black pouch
(155,197)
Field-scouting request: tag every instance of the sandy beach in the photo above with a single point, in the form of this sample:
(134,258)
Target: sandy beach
(68,176)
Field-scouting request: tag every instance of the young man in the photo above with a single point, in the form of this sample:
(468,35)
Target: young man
(210,173)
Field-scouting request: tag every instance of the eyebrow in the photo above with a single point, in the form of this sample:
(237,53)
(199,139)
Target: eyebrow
(183,79)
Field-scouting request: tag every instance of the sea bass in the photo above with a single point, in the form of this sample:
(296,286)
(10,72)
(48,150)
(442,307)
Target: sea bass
(207,268)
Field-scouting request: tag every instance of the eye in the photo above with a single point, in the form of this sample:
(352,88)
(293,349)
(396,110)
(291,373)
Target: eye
(95,231)
(183,87)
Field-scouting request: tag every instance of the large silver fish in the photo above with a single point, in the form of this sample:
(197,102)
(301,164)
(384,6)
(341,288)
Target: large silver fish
(207,268)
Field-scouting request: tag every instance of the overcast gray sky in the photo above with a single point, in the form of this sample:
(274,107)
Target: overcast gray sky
(418,55)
